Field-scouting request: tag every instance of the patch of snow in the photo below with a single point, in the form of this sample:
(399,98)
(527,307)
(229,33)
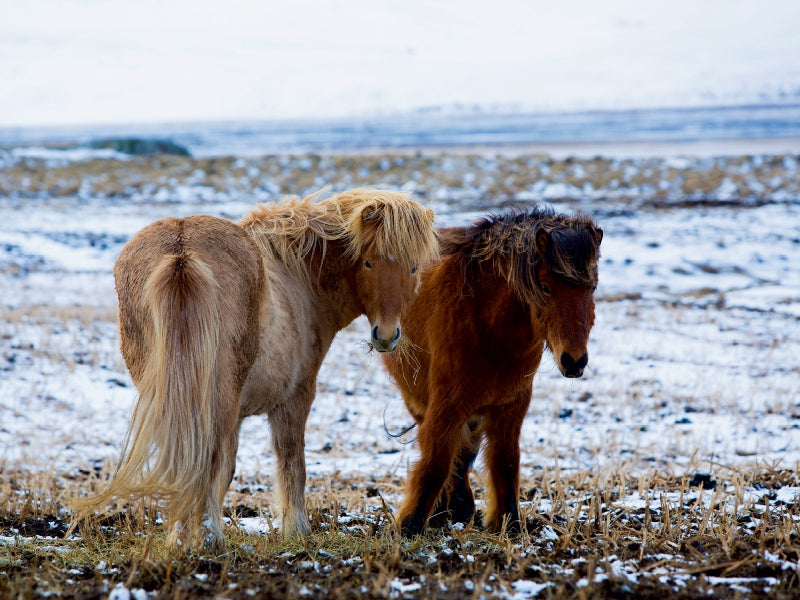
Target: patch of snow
(523,589)
(66,155)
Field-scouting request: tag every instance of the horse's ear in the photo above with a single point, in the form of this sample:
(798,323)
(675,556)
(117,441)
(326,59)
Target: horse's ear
(542,240)
(598,235)
(429,214)
(368,214)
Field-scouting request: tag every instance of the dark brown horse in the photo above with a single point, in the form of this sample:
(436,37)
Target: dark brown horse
(505,287)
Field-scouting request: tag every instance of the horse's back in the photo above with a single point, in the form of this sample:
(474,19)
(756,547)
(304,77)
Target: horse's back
(218,250)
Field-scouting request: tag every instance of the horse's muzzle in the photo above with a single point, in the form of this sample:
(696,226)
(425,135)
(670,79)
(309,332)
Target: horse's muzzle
(573,368)
(385,345)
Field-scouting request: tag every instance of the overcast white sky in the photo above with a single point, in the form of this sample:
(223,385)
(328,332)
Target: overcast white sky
(104,61)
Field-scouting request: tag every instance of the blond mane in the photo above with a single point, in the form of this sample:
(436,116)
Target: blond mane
(388,224)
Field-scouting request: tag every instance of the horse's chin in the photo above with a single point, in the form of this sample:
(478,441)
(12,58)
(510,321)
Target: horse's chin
(381,347)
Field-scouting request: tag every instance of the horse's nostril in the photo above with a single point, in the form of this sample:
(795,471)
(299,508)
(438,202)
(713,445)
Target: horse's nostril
(572,367)
(376,335)
(382,345)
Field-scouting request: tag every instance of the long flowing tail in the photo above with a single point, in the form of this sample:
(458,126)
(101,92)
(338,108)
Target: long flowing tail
(168,450)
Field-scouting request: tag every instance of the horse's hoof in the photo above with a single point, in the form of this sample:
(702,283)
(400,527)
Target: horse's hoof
(410,528)
(214,546)
(439,519)
(514,529)
(477,519)
(504,524)
(462,513)
(295,528)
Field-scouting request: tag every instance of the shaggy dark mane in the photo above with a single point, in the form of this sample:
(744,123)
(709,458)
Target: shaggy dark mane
(509,242)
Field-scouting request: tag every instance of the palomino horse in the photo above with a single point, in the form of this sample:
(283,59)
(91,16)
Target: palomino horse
(220,321)
(505,287)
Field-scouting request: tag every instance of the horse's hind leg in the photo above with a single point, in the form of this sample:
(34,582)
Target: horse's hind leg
(223,467)
(502,429)
(228,465)
(287,422)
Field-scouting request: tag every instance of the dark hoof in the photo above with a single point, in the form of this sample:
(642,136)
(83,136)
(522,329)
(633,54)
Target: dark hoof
(410,528)
(514,528)
(459,514)
(477,519)
(439,519)
(463,514)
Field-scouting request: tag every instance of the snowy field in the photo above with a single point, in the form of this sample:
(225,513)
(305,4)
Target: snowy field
(693,359)
(693,367)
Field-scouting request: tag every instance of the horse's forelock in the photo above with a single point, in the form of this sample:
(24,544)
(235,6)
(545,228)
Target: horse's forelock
(509,242)
(572,255)
(390,225)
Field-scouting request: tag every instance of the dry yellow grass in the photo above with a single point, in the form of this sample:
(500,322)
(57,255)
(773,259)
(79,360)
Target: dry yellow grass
(586,537)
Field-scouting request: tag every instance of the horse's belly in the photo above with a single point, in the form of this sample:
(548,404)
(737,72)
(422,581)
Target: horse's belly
(284,359)
(274,377)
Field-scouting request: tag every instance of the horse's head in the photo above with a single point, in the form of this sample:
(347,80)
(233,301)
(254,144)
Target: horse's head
(567,277)
(386,288)
(395,239)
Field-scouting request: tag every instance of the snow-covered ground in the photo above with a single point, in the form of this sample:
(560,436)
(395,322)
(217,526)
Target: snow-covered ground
(693,358)
(693,365)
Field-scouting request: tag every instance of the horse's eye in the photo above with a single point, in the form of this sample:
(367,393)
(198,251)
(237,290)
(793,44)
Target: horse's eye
(414,269)
(546,289)
(367,265)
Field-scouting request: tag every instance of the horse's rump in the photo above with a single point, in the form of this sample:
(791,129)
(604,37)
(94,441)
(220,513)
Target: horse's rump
(189,292)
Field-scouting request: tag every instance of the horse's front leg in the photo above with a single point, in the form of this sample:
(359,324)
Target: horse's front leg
(461,503)
(503,427)
(288,422)
(458,501)
(440,437)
